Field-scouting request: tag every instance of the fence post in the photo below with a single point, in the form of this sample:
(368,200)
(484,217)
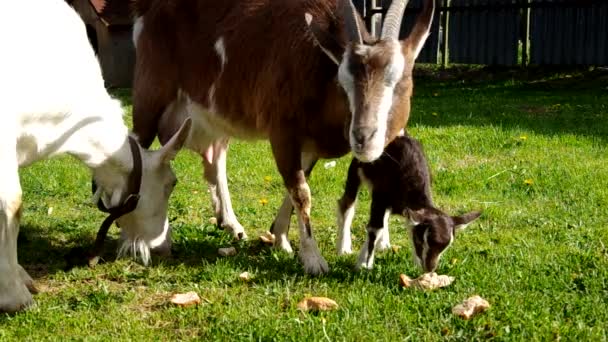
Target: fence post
(526,39)
(445,22)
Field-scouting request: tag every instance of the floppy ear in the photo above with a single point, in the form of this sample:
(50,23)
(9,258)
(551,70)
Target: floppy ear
(461,222)
(326,42)
(169,151)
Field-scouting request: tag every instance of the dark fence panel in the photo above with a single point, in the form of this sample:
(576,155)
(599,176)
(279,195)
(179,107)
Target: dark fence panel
(484,32)
(502,32)
(569,32)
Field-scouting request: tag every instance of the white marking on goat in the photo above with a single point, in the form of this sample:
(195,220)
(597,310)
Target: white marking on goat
(393,73)
(281,225)
(138,26)
(384,241)
(425,245)
(137,248)
(410,229)
(366,259)
(347,81)
(220,49)
(210,98)
(345,220)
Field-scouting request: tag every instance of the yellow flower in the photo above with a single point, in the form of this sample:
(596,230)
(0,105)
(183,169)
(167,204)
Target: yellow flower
(267,178)
(529,181)
(523,137)
(263,201)
(434,114)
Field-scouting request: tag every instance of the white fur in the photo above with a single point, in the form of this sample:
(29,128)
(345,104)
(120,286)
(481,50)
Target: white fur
(384,241)
(425,245)
(138,26)
(347,81)
(392,75)
(366,259)
(220,49)
(281,225)
(56,103)
(345,220)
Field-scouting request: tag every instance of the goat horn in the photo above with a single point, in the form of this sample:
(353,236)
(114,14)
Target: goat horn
(393,19)
(351,24)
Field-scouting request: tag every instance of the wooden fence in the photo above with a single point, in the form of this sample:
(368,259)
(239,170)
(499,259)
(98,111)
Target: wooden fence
(507,32)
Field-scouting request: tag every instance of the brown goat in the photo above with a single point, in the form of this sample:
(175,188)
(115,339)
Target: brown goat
(304,74)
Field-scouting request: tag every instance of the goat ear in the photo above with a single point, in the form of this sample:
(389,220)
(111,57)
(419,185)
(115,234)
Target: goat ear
(415,216)
(461,222)
(169,151)
(324,40)
(422,28)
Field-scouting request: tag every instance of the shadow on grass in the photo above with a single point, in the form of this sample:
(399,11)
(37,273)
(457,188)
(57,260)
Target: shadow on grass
(549,101)
(41,255)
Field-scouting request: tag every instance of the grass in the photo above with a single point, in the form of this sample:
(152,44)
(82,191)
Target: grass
(529,150)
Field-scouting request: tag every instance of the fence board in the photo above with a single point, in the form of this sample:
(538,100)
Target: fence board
(492,31)
(569,32)
(484,31)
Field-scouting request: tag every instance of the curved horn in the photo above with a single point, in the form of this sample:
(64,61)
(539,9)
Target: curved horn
(351,24)
(393,19)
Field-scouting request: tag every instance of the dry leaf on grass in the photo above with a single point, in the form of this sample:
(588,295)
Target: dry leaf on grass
(245,276)
(267,238)
(427,281)
(471,306)
(317,304)
(228,251)
(185,299)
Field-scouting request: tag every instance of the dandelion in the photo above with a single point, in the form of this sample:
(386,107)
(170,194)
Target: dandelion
(434,114)
(263,201)
(528,181)
(267,179)
(523,137)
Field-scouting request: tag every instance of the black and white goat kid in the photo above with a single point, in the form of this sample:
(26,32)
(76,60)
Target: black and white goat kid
(399,183)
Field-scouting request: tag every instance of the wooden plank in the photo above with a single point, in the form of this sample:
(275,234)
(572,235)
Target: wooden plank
(602,42)
(525,58)
(445,41)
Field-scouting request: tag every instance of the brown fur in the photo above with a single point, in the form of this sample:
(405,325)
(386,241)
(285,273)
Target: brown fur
(276,83)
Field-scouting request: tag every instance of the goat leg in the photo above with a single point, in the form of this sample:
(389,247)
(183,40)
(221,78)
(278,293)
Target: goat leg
(287,154)
(375,228)
(280,225)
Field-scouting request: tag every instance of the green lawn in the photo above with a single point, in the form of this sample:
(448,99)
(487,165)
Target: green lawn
(530,151)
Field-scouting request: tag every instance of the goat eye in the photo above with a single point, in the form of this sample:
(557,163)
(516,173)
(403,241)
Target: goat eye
(174,183)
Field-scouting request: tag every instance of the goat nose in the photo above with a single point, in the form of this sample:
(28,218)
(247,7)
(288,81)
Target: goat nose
(363,134)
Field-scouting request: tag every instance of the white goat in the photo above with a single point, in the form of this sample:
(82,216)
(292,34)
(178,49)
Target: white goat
(55,102)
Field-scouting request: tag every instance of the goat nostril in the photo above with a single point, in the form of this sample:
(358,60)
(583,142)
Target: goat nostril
(360,136)
(240,236)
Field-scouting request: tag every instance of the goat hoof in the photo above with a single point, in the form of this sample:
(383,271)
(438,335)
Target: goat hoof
(27,280)
(282,243)
(345,251)
(234,228)
(314,264)
(14,293)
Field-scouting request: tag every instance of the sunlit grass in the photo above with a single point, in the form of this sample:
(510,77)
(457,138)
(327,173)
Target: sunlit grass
(531,154)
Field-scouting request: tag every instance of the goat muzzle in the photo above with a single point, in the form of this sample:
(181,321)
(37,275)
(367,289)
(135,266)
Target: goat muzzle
(77,255)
